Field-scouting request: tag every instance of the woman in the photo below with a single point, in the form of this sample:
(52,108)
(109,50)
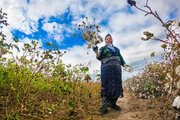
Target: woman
(111,77)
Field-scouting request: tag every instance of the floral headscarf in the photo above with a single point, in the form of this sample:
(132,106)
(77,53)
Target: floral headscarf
(110,46)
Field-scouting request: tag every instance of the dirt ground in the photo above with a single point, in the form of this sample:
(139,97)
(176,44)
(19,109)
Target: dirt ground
(137,109)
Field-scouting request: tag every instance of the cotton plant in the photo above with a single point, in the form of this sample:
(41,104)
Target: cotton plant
(147,84)
(90,33)
(161,76)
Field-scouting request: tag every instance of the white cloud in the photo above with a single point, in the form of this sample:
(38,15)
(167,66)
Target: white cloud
(52,27)
(56,30)
(81,55)
(46,8)
(16,18)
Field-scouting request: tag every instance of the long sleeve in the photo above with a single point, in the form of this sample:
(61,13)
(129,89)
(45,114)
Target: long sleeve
(122,60)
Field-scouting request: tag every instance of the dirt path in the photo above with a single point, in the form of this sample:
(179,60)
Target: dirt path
(126,112)
(131,109)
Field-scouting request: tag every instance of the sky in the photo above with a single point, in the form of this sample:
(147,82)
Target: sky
(56,21)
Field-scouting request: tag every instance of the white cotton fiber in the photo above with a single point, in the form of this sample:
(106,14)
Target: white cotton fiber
(176,102)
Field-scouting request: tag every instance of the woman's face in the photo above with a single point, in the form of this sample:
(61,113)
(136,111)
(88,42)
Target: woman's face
(108,40)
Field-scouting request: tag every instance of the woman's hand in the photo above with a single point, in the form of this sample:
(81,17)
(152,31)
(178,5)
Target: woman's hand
(97,53)
(126,65)
(95,48)
(128,68)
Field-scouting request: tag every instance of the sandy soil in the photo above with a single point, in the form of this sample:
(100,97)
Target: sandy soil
(127,112)
(136,109)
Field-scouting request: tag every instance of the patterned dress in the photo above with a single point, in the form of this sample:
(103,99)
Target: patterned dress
(111,76)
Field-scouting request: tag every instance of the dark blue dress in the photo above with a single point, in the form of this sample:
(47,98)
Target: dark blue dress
(111,75)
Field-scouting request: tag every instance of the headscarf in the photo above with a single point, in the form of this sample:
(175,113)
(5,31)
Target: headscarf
(110,46)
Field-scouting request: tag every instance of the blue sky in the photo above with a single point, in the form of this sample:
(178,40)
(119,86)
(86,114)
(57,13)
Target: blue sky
(55,21)
(66,40)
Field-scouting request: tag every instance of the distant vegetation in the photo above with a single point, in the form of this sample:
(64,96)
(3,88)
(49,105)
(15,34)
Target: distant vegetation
(160,78)
(35,84)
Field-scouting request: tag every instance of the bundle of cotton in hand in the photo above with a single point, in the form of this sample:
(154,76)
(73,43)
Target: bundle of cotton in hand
(128,68)
(90,33)
(92,38)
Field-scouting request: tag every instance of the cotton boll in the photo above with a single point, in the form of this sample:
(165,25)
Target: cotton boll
(96,36)
(89,44)
(140,95)
(176,102)
(166,86)
(158,88)
(160,82)
(178,70)
(175,23)
(170,112)
(178,105)
(85,32)
(170,90)
(146,96)
(177,116)
(133,89)
(178,84)
(169,76)
(93,45)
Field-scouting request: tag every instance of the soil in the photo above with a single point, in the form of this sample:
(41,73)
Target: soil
(133,108)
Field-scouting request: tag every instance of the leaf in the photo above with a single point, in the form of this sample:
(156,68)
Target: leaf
(153,54)
(98,75)
(164,46)
(89,117)
(10,52)
(84,69)
(32,41)
(27,45)
(48,44)
(17,48)
(71,104)
(35,60)
(167,24)
(74,34)
(148,35)
(16,40)
(145,39)
(3,59)
(152,88)
(50,56)
(5,14)
(50,109)
(45,87)
(71,108)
